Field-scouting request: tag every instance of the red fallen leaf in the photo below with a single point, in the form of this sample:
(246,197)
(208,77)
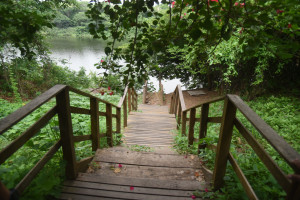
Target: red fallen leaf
(206,190)
(197,174)
(193,197)
(289,25)
(120,166)
(131,188)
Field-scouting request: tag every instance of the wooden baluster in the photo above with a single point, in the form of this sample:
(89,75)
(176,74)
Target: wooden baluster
(118,112)
(145,92)
(129,100)
(224,143)
(125,111)
(183,126)
(66,132)
(203,124)
(176,103)
(179,116)
(109,125)
(192,126)
(95,132)
(171,110)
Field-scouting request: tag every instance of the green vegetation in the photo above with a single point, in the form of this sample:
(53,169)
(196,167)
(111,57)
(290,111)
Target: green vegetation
(140,148)
(17,166)
(280,112)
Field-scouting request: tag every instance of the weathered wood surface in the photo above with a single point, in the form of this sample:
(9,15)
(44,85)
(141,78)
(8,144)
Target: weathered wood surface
(150,126)
(152,175)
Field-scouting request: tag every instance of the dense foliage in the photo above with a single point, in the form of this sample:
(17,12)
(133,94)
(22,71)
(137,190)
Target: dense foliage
(281,113)
(216,43)
(46,185)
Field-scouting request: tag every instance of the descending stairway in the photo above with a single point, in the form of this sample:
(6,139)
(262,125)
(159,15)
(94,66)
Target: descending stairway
(121,173)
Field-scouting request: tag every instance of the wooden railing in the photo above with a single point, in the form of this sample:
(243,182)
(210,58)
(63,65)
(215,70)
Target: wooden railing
(63,109)
(228,120)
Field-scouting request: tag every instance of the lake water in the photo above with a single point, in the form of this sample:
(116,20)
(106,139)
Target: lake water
(85,53)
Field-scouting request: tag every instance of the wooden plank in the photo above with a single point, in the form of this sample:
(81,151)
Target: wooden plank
(214,119)
(182,103)
(125,112)
(77,110)
(70,196)
(118,121)
(136,158)
(224,143)
(123,97)
(264,156)
(82,165)
(22,112)
(80,138)
(24,183)
(145,92)
(212,100)
(89,95)
(24,137)
(66,132)
(278,143)
(246,185)
(183,125)
(115,194)
(109,125)
(203,124)
(95,126)
(192,126)
(121,188)
(146,183)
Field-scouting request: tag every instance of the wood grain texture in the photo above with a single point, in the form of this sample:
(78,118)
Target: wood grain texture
(152,125)
(192,126)
(22,112)
(279,144)
(203,124)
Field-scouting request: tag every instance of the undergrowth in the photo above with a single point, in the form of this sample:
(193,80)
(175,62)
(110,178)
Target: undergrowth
(282,114)
(48,182)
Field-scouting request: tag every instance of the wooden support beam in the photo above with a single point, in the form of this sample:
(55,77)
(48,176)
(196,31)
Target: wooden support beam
(203,124)
(183,125)
(192,125)
(94,105)
(66,132)
(179,116)
(125,112)
(129,100)
(118,111)
(109,125)
(224,144)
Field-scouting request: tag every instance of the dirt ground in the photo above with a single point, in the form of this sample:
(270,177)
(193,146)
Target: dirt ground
(190,101)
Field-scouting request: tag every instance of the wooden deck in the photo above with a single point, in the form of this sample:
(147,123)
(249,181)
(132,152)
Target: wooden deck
(120,173)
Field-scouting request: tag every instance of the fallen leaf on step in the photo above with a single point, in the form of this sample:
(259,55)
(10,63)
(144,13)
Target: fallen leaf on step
(90,170)
(197,174)
(117,170)
(192,157)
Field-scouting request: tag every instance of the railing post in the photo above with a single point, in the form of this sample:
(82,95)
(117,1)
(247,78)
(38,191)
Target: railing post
(109,125)
(224,143)
(66,132)
(203,124)
(192,126)
(145,92)
(129,100)
(183,125)
(125,112)
(176,103)
(179,115)
(171,111)
(118,112)
(94,105)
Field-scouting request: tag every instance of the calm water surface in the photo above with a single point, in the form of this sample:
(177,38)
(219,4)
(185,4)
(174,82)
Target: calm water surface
(85,53)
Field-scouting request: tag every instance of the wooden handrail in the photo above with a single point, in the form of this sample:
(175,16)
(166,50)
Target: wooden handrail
(123,97)
(67,139)
(278,143)
(232,103)
(22,112)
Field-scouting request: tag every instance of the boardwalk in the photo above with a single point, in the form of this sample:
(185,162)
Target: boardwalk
(152,125)
(120,173)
